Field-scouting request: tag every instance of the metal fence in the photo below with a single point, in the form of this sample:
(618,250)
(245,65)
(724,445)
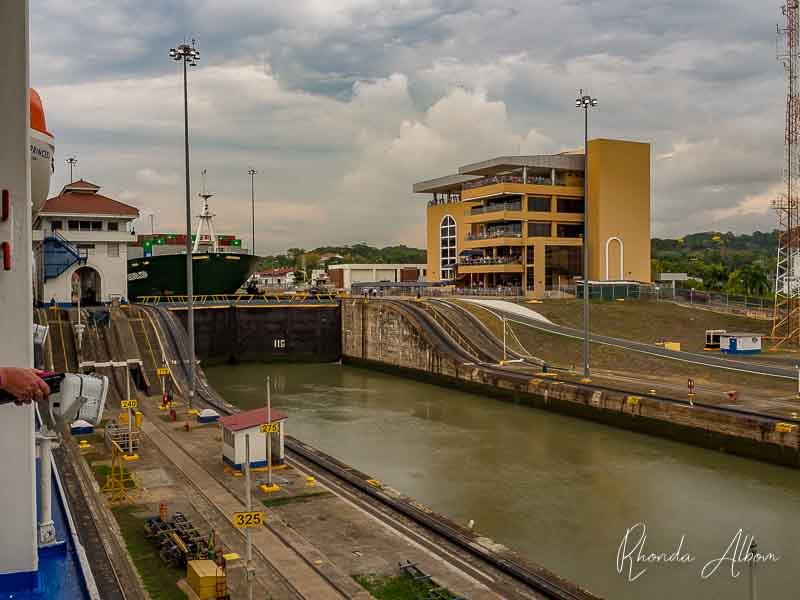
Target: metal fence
(693,296)
(439,292)
(750,306)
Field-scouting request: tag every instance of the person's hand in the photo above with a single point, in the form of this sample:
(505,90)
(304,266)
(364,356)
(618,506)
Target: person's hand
(24,384)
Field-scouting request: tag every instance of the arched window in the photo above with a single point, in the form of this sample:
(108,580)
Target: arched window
(447,245)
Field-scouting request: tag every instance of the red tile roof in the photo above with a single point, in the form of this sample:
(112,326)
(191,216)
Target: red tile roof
(86,202)
(251,418)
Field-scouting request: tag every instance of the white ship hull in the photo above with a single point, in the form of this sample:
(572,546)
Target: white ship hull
(42,149)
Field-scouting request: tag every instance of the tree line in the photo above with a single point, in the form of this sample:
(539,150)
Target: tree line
(304,261)
(723,262)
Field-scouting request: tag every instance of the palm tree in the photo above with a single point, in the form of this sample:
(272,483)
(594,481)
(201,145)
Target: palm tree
(755,279)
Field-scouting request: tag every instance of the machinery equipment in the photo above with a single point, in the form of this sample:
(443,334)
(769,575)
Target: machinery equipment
(72,396)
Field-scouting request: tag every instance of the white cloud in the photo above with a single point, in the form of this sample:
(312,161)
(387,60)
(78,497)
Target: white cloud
(342,106)
(152,177)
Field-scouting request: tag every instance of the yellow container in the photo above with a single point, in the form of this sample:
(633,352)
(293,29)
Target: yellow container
(674,346)
(205,578)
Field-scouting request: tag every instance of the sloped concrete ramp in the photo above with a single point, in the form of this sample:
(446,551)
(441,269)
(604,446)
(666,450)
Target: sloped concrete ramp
(510,307)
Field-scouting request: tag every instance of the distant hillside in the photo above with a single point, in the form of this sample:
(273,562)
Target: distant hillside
(357,253)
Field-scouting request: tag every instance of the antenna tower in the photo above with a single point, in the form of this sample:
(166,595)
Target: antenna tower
(786,319)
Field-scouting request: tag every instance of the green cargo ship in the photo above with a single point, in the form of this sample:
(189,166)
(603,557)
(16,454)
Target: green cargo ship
(214,271)
(165,275)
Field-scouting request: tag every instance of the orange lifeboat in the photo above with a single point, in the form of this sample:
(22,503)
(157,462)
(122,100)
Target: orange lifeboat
(42,145)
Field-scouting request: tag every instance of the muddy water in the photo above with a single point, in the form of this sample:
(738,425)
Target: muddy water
(559,490)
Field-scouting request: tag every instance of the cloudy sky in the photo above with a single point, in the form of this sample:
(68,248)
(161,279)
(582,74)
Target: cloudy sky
(342,104)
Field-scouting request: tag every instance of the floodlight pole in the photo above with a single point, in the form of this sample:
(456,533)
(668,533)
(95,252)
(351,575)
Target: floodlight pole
(248,501)
(585,101)
(269,434)
(252,172)
(71,161)
(188,55)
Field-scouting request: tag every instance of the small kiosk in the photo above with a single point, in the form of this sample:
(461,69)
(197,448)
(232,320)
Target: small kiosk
(740,343)
(236,427)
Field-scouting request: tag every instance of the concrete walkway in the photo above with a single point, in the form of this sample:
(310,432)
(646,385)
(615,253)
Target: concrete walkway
(308,581)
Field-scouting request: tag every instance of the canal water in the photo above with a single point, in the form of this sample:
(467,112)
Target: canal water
(561,491)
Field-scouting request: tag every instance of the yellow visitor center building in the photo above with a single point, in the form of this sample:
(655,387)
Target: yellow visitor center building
(518,220)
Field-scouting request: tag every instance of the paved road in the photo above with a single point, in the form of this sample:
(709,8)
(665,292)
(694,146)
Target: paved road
(303,576)
(707,360)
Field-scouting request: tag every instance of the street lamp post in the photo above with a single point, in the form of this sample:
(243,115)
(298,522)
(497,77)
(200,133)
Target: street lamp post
(252,172)
(585,101)
(71,161)
(188,55)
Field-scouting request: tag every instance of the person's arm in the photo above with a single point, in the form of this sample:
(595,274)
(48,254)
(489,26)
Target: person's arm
(24,384)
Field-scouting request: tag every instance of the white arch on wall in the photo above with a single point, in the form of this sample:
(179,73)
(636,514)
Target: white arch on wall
(621,256)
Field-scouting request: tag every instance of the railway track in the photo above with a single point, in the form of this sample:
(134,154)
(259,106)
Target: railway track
(448,343)
(444,541)
(219,518)
(369,499)
(430,326)
(164,321)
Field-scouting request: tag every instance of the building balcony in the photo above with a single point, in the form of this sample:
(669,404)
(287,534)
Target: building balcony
(500,185)
(488,264)
(491,265)
(501,207)
(502,212)
(490,239)
(537,180)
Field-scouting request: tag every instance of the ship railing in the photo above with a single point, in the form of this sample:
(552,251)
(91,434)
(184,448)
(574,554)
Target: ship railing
(302,298)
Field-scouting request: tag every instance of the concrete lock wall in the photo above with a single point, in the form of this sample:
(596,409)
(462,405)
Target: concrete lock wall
(377,334)
(264,334)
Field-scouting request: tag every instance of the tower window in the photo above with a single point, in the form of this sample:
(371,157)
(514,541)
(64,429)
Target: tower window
(447,244)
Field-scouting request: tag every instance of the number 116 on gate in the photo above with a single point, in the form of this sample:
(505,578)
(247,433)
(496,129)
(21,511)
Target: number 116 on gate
(270,428)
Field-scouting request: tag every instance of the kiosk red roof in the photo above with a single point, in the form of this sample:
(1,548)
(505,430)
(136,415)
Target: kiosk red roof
(251,418)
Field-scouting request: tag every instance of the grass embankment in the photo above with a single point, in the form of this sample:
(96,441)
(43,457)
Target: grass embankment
(399,587)
(648,321)
(644,321)
(160,580)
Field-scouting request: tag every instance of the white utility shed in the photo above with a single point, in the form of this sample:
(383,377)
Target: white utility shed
(740,343)
(236,427)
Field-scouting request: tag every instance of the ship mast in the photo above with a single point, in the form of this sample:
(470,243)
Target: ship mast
(206,221)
